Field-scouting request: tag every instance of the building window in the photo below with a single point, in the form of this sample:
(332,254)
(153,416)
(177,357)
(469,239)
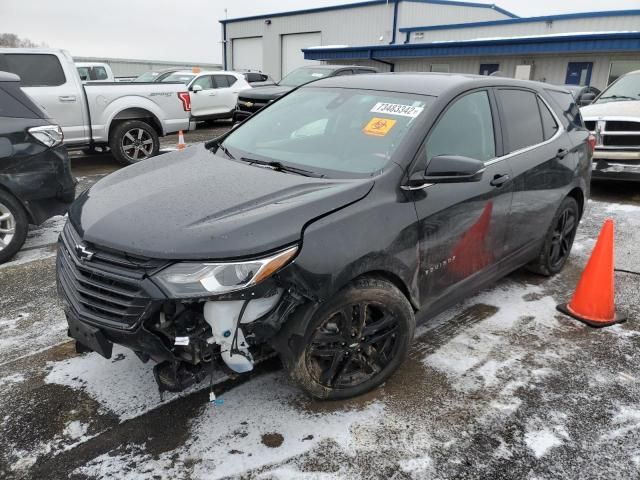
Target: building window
(619,68)
(440,67)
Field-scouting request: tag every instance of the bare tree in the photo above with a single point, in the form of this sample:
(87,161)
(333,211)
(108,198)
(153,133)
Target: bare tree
(13,40)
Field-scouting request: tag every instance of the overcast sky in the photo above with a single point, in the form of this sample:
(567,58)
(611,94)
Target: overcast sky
(185,30)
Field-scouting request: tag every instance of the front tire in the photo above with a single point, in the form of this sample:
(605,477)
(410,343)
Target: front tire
(133,141)
(559,239)
(14,225)
(355,341)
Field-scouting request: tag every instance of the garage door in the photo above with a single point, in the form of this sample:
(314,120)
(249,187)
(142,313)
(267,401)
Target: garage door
(247,53)
(292,44)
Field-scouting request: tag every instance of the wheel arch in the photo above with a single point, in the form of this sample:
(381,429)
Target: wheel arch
(135,113)
(25,205)
(578,195)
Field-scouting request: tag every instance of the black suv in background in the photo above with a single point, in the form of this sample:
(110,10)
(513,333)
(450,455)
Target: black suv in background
(35,175)
(322,225)
(250,101)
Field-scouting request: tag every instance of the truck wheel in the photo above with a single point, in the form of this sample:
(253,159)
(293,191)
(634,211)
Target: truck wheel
(14,225)
(133,141)
(559,240)
(354,342)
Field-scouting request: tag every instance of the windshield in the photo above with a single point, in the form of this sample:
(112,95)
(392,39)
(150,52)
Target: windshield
(304,75)
(147,77)
(179,77)
(625,88)
(332,131)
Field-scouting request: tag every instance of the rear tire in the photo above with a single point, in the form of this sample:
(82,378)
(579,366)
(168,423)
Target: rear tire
(559,240)
(354,341)
(133,141)
(14,225)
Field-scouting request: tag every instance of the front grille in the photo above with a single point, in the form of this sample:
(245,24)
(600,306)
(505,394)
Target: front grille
(615,134)
(105,290)
(621,140)
(250,105)
(622,126)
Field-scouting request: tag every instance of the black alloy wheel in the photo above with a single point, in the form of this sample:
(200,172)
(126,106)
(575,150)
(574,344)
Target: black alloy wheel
(559,239)
(562,238)
(354,341)
(353,345)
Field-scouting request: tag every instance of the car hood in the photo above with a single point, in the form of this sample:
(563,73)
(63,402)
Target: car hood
(623,108)
(265,93)
(195,205)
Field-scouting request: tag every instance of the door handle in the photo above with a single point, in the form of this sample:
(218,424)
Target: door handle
(413,188)
(499,180)
(67,98)
(562,153)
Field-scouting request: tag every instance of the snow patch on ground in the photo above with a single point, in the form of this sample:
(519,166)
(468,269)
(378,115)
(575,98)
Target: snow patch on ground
(28,256)
(621,208)
(75,430)
(474,359)
(122,385)
(541,441)
(225,441)
(14,378)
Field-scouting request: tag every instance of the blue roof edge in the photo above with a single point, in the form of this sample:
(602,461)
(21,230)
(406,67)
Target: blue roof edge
(366,4)
(475,46)
(509,21)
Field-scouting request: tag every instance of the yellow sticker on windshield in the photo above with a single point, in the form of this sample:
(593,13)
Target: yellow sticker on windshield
(378,127)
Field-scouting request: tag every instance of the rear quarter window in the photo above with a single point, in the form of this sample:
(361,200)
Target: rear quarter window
(34,69)
(11,106)
(566,108)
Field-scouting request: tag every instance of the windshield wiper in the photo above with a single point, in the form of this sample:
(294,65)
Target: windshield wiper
(218,146)
(280,167)
(621,97)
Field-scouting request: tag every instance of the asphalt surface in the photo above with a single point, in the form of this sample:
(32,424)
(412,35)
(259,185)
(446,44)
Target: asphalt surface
(501,387)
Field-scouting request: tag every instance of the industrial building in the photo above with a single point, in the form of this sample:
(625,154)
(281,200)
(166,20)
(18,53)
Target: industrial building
(591,48)
(123,68)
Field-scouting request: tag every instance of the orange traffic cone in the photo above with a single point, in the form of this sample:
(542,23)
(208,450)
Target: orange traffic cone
(181,143)
(593,302)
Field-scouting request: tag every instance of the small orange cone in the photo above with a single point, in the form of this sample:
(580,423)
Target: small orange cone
(593,302)
(181,143)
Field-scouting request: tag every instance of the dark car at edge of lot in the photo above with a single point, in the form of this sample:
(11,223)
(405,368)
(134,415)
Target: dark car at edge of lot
(583,94)
(250,101)
(324,225)
(35,174)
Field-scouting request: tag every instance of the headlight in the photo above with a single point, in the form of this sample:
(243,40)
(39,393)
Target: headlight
(49,135)
(197,279)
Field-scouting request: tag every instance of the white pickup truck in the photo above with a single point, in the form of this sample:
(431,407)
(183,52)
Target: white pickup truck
(127,117)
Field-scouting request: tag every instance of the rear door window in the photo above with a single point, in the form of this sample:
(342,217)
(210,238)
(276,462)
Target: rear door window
(34,70)
(521,118)
(206,82)
(224,81)
(465,129)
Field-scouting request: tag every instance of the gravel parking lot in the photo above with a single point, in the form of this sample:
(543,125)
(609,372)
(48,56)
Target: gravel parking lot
(501,386)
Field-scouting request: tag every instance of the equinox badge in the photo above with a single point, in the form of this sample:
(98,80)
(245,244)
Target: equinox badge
(83,253)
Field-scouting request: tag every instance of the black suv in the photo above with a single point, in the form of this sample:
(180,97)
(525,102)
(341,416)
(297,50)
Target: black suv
(35,176)
(250,101)
(324,224)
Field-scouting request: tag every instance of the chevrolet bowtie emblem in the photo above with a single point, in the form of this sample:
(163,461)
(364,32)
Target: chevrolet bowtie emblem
(84,253)
(248,104)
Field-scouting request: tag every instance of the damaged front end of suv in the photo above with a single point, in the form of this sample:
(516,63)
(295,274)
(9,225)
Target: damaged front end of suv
(189,317)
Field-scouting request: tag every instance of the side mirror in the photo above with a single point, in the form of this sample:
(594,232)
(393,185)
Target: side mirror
(196,88)
(6,148)
(453,169)
(587,98)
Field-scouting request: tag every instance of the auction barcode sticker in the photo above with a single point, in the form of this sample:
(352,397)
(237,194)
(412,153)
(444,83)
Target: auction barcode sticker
(397,109)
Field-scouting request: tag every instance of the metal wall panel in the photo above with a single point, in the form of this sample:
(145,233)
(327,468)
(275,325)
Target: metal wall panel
(353,26)
(590,25)
(414,14)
